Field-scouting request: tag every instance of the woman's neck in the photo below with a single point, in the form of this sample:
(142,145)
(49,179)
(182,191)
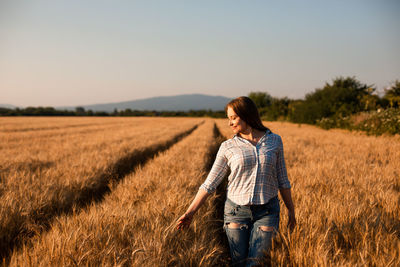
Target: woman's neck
(252,135)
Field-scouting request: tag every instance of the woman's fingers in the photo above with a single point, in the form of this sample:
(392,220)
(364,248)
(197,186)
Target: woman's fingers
(291,223)
(183,222)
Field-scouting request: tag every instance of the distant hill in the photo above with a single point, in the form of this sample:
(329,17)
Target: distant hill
(7,106)
(164,103)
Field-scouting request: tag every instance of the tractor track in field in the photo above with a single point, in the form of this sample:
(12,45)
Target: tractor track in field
(78,196)
(211,154)
(219,201)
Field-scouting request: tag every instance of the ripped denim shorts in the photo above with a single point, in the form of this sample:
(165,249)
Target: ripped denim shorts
(247,241)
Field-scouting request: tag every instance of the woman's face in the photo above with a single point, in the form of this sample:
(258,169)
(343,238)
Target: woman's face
(235,122)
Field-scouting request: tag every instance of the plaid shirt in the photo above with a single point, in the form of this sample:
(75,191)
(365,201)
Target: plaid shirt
(256,172)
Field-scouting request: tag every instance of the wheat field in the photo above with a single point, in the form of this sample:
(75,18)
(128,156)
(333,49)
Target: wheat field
(108,191)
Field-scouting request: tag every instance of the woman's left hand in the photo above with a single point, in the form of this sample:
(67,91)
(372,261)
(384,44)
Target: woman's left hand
(292,221)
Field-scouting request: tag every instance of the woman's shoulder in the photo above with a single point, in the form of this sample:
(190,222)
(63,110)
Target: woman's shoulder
(227,142)
(274,137)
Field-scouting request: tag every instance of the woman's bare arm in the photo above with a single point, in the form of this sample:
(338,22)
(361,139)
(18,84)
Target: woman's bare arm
(287,199)
(185,220)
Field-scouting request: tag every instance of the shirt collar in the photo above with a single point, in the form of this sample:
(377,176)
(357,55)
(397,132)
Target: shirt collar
(267,132)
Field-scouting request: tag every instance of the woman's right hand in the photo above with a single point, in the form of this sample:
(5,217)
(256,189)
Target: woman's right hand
(184,221)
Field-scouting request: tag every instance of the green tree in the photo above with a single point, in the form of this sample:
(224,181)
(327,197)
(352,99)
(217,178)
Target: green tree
(80,111)
(344,96)
(370,101)
(278,110)
(261,99)
(392,94)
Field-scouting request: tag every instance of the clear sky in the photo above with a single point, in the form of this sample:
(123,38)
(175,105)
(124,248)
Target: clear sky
(77,52)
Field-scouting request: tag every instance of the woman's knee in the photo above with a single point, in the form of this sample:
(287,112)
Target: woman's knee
(234,225)
(266,228)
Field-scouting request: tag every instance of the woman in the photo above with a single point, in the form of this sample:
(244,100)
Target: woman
(256,166)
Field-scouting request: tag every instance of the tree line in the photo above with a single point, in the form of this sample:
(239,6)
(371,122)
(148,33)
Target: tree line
(339,99)
(80,111)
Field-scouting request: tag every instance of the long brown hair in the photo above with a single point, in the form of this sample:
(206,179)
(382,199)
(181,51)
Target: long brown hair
(245,108)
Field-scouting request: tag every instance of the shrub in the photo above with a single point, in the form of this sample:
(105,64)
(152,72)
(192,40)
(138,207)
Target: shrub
(335,122)
(381,121)
(375,122)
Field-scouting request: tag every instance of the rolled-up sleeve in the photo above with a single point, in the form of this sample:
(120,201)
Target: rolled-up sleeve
(218,171)
(283,181)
